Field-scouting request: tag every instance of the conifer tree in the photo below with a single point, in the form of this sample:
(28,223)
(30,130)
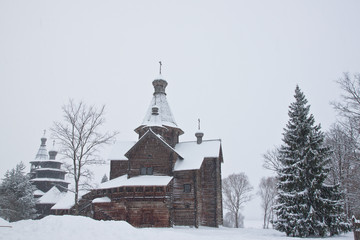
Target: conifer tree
(16,195)
(306,205)
(104,179)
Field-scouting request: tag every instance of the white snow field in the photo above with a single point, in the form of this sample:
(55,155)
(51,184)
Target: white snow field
(83,228)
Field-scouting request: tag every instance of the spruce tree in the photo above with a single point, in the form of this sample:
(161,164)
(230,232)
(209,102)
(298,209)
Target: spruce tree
(16,195)
(306,205)
(104,179)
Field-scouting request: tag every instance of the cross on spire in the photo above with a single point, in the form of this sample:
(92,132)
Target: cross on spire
(160,66)
(199,124)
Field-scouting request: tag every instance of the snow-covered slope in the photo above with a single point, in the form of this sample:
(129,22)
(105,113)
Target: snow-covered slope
(78,228)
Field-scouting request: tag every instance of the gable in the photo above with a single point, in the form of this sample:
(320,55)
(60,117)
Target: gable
(142,143)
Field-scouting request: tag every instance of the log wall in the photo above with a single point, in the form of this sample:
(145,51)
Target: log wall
(185,209)
(118,168)
(211,193)
(148,207)
(151,153)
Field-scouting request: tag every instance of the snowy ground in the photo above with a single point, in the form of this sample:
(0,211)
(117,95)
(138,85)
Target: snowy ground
(82,228)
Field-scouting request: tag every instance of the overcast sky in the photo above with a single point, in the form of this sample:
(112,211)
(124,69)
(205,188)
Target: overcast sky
(233,64)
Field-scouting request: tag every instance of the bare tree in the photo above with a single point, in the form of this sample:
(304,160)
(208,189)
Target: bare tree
(350,104)
(229,220)
(344,164)
(80,138)
(345,141)
(267,192)
(236,191)
(271,160)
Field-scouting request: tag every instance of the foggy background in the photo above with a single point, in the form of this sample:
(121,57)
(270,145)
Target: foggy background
(233,64)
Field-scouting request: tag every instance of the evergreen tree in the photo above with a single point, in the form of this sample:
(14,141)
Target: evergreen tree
(306,205)
(104,179)
(16,195)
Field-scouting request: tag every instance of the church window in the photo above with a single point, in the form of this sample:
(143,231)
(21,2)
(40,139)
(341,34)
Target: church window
(187,188)
(146,171)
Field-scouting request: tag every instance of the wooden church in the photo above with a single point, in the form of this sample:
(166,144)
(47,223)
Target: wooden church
(159,181)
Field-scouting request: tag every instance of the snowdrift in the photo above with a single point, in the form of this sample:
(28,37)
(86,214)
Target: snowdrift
(81,228)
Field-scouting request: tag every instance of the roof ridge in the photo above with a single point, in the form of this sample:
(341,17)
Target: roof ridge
(208,140)
(158,136)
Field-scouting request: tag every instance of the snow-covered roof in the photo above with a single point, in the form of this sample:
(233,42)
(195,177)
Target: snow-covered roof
(50,169)
(193,154)
(52,196)
(67,200)
(48,180)
(42,153)
(38,192)
(3,222)
(45,160)
(119,149)
(165,116)
(101,200)
(143,180)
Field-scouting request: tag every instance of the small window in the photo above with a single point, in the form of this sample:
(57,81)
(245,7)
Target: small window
(121,189)
(146,171)
(159,189)
(129,189)
(187,188)
(148,189)
(139,189)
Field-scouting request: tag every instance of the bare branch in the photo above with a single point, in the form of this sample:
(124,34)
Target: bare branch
(236,192)
(271,160)
(80,137)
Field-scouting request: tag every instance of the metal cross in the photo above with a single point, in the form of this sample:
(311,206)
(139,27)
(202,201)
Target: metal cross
(199,124)
(160,66)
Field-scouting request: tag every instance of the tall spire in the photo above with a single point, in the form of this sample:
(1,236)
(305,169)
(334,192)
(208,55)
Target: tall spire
(159,113)
(163,115)
(42,152)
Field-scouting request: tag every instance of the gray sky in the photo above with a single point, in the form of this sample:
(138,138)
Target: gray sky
(234,64)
